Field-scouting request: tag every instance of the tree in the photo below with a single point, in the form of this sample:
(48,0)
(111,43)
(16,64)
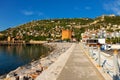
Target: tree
(108,40)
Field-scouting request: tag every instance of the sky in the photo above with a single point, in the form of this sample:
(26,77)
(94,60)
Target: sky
(17,12)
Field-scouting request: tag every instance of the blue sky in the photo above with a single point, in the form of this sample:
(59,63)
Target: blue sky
(16,12)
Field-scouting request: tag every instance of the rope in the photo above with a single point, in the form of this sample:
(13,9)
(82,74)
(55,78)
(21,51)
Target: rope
(109,64)
(108,57)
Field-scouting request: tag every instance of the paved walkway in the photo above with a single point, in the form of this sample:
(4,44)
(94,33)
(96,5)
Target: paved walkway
(79,67)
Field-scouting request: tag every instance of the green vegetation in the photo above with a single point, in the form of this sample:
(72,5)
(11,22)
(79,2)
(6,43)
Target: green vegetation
(67,40)
(113,40)
(112,20)
(51,28)
(43,29)
(3,37)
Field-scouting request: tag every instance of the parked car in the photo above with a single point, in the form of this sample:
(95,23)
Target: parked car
(108,47)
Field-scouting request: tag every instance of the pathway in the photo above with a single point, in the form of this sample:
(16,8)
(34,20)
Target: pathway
(79,67)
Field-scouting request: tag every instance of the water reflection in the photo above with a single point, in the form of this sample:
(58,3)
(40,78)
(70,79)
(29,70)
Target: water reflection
(12,57)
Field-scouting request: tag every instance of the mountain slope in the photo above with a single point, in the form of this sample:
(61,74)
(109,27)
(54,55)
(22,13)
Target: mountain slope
(44,29)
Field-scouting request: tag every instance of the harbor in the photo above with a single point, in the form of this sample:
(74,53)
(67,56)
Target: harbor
(76,60)
(68,58)
(12,57)
(60,40)
(33,69)
(104,66)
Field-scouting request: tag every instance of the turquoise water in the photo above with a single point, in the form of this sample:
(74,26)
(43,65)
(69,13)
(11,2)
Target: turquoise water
(12,57)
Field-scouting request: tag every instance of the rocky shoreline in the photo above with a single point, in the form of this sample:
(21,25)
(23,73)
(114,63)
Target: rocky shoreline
(32,70)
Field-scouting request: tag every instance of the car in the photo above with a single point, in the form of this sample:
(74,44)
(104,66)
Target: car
(108,47)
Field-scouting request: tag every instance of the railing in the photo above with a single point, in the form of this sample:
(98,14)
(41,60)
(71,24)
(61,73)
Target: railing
(110,64)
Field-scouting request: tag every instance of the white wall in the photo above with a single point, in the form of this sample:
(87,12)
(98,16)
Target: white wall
(101,41)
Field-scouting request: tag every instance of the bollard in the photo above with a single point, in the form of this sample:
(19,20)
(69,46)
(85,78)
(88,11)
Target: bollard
(83,45)
(116,67)
(88,50)
(99,57)
(92,51)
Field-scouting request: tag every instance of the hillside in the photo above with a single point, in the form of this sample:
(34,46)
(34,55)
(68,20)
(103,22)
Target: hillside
(51,29)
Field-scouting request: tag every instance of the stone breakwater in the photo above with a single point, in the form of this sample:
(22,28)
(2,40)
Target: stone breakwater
(32,70)
(53,71)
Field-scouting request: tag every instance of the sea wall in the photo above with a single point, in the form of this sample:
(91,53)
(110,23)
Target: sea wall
(36,68)
(54,70)
(37,42)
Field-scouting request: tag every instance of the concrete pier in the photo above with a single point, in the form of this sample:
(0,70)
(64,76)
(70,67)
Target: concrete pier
(79,67)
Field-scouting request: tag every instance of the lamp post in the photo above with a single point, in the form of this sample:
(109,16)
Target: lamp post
(99,56)
(115,62)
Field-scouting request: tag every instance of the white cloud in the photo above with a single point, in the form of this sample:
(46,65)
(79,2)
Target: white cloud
(78,8)
(113,6)
(28,13)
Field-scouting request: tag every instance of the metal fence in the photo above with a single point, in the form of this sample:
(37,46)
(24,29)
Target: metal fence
(110,64)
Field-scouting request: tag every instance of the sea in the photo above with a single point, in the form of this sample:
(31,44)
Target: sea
(11,57)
